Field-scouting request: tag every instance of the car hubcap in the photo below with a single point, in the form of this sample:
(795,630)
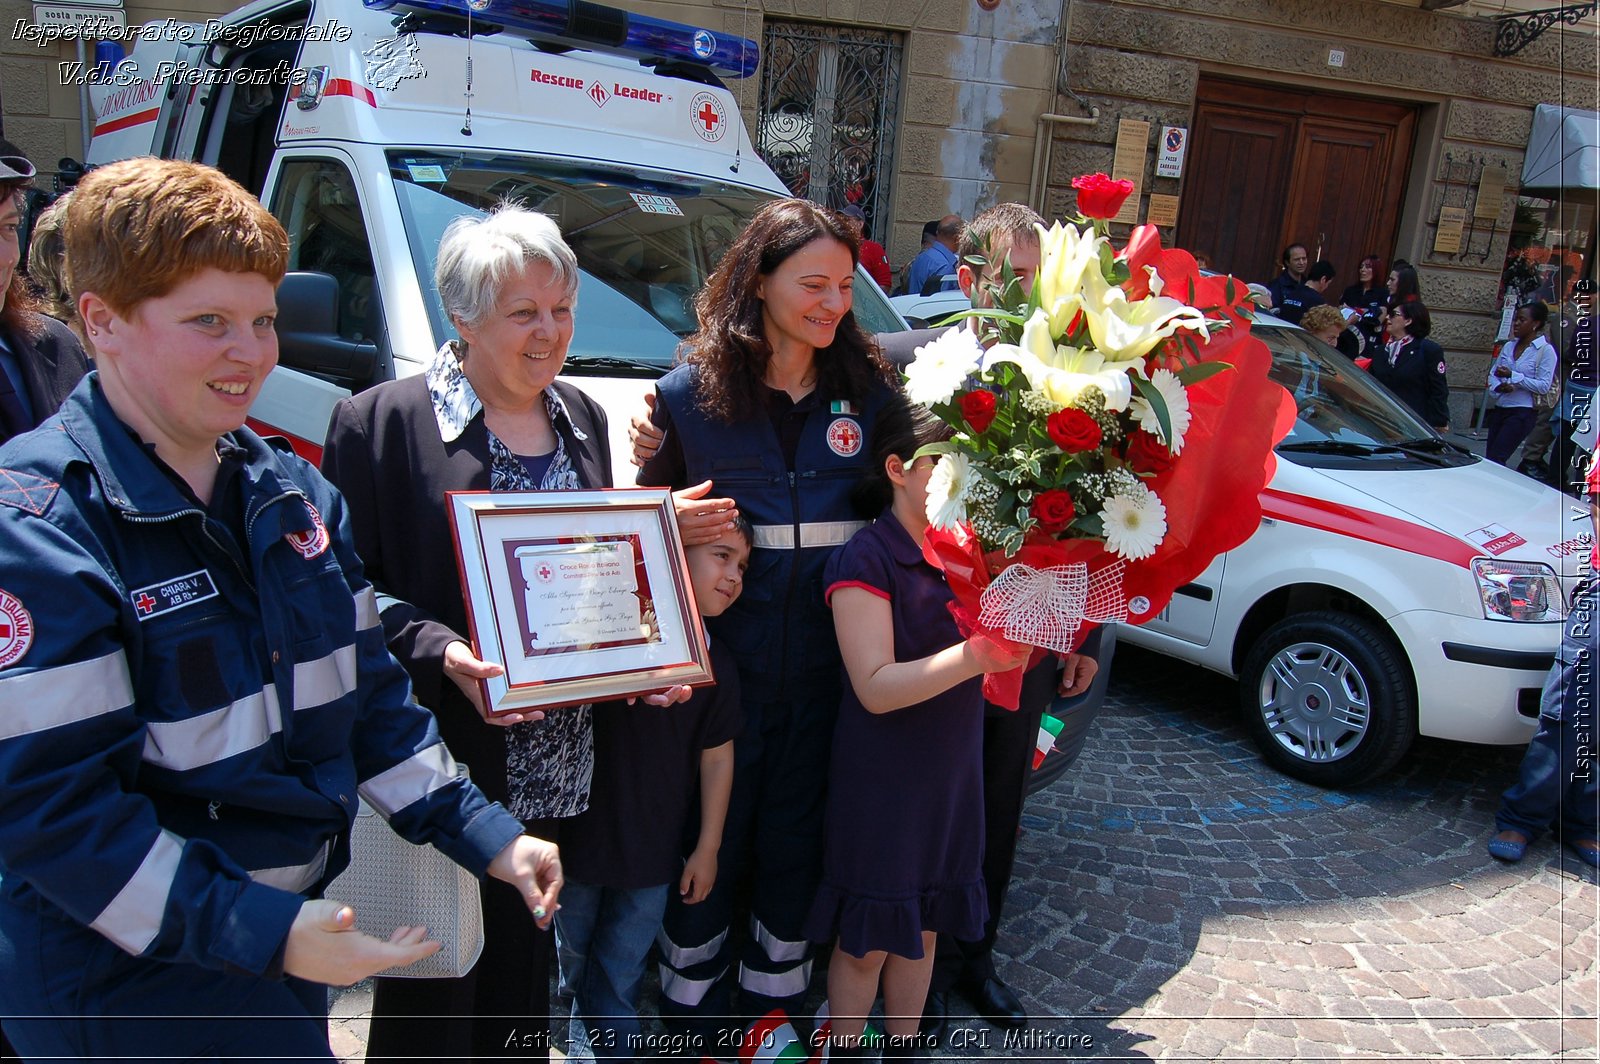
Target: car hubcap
(1314,702)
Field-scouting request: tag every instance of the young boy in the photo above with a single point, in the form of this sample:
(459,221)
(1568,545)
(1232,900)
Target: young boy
(625,851)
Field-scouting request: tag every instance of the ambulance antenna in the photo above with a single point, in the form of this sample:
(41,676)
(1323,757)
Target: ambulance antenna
(744,40)
(472,5)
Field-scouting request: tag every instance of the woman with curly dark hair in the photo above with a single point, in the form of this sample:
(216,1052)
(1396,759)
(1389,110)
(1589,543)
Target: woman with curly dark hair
(775,407)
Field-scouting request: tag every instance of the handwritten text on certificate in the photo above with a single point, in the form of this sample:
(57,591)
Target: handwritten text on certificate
(581,596)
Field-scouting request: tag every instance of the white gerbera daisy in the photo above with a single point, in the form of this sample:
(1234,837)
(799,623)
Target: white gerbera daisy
(1177,399)
(942,366)
(1135,524)
(948,487)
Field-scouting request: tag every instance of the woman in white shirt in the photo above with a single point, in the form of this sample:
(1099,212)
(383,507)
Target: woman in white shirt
(1525,366)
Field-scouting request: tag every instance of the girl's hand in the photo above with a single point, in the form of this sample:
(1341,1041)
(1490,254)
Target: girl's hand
(989,655)
(465,669)
(699,873)
(702,520)
(670,697)
(533,866)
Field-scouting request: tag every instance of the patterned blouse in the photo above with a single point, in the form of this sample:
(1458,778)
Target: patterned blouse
(548,762)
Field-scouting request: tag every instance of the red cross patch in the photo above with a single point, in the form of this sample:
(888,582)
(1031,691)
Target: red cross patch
(844,437)
(16,629)
(545,573)
(314,540)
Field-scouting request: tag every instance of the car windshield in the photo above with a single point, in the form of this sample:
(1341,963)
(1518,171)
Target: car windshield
(1342,413)
(645,242)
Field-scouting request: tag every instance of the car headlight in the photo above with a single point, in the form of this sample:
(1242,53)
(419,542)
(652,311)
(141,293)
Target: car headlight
(1518,591)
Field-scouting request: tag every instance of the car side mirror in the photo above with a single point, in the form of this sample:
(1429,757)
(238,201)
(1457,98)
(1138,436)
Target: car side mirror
(308,331)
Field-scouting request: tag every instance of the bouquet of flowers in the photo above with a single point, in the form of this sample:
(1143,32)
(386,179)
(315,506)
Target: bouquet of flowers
(1113,430)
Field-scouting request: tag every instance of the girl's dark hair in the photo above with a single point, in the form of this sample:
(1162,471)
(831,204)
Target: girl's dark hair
(731,347)
(1406,287)
(744,530)
(901,428)
(1537,310)
(18,312)
(1419,323)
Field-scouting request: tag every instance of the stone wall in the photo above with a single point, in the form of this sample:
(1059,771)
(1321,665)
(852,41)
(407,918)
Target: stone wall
(1143,59)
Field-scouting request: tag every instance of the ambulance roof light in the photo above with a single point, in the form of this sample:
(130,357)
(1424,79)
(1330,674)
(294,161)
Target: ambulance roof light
(581,23)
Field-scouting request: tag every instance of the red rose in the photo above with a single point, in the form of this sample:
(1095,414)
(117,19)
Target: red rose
(1147,454)
(1073,430)
(1099,196)
(1053,510)
(978,409)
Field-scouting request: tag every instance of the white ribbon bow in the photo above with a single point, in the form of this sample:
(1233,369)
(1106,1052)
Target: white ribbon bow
(1046,607)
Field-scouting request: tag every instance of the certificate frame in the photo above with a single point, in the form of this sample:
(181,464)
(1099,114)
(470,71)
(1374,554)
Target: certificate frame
(583,596)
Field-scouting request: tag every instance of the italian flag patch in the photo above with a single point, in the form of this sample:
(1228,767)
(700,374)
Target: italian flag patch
(842,406)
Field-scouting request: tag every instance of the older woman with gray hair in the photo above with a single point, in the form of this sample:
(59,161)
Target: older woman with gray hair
(488,413)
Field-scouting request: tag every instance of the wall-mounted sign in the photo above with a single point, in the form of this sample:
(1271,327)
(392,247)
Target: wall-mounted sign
(1163,211)
(1452,224)
(1133,145)
(1491,193)
(1169,159)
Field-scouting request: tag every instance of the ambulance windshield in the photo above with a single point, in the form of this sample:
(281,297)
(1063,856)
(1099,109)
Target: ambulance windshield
(645,241)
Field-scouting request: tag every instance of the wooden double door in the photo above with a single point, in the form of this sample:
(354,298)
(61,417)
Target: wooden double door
(1269,166)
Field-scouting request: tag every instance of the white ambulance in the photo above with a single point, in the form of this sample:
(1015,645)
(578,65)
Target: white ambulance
(366,128)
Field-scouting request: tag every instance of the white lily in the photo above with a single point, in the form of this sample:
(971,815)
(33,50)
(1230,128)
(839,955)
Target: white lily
(1067,256)
(1126,331)
(1062,373)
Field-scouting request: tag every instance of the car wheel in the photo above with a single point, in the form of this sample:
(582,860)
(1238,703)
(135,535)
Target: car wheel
(1328,699)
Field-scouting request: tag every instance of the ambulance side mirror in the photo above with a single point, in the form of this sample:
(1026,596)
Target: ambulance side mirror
(308,331)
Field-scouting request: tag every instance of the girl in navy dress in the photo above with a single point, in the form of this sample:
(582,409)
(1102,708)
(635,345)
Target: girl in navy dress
(903,843)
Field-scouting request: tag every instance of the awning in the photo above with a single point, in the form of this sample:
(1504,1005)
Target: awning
(1563,149)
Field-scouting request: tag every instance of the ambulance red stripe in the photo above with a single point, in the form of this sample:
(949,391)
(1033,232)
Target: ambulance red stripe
(311,452)
(138,118)
(1364,525)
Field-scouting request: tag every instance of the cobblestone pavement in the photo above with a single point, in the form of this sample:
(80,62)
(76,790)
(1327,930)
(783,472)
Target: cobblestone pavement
(1176,899)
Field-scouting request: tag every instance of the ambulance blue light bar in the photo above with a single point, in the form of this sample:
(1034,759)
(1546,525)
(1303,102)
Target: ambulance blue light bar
(582,24)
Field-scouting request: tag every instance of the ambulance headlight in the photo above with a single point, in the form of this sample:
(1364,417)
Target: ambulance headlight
(1518,591)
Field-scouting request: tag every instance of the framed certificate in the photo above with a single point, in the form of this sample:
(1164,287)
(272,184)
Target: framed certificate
(582,595)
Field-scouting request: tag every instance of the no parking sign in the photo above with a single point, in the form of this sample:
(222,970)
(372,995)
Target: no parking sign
(1174,142)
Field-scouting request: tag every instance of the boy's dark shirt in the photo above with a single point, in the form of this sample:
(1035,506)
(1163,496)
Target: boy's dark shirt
(646,774)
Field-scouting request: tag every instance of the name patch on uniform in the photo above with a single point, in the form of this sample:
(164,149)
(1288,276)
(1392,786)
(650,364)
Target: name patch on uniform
(844,436)
(16,629)
(313,541)
(174,594)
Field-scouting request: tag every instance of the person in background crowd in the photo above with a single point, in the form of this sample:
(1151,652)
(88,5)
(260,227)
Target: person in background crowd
(1413,367)
(1318,279)
(1295,260)
(1003,233)
(907,748)
(934,269)
(1580,373)
(486,414)
(928,231)
(47,265)
(1328,325)
(1364,299)
(623,854)
(1523,368)
(775,407)
(1556,783)
(873,258)
(1403,284)
(41,360)
(165,832)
